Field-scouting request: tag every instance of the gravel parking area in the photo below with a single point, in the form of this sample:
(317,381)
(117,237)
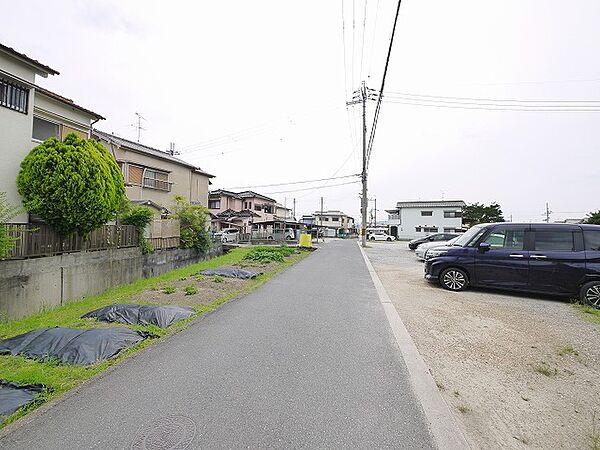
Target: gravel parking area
(519,371)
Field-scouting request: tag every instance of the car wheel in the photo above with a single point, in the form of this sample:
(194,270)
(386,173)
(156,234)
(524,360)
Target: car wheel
(372,238)
(389,239)
(454,279)
(270,238)
(590,294)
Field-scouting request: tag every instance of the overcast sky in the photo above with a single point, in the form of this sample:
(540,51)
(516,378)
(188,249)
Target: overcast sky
(254,92)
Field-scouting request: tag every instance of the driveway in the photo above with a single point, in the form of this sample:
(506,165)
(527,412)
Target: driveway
(519,371)
(306,361)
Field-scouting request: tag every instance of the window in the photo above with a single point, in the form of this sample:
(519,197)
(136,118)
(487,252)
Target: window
(427,213)
(269,209)
(335,219)
(135,175)
(430,229)
(418,229)
(449,230)
(257,207)
(44,129)
(157,180)
(214,204)
(452,214)
(555,240)
(592,240)
(325,219)
(506,239)
(14,97)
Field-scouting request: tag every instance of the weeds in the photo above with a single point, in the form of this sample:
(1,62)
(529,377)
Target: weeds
(266,254)
(169,289)
(456,393)
(595,434)
(464,409)
(567,350)
(440,385)
(217,278)
(544,369)
(199,278)
(190,290)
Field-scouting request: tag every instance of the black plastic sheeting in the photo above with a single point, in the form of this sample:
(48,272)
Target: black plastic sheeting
(162,316)
(15,395)
(230,272)
(70,345)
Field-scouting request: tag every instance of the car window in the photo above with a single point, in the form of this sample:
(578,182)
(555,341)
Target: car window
(592,240)
(506,239)
(554,240)
(438,237)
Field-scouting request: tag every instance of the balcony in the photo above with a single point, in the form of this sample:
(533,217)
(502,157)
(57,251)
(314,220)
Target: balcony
(153,183)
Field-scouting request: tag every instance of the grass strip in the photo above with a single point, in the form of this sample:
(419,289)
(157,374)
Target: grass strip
(60,378)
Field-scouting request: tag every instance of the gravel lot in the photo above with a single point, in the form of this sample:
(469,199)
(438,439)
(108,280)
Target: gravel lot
(519,371)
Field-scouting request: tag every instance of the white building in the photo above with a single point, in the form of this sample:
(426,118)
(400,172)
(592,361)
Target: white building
(336,222)
(410,220)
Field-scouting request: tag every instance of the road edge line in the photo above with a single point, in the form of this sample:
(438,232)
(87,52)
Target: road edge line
(442,423)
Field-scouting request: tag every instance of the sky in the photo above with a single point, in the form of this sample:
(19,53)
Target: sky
(255,93)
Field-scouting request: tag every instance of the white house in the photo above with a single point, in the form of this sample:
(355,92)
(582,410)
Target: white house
(336,222)
(30,114)
(410,220)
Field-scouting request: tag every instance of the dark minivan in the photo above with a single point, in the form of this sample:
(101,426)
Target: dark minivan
(560,259)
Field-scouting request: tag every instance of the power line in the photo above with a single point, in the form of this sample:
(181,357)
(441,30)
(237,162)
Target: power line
(378,107)
(294,182)
(373,41)
(314,188)
(499,108)
(475,99)
(362,47)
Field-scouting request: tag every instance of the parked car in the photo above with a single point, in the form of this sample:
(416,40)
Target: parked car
(381,236)
(421,251)
(279,234)
(560,259)
(227,235)
(437,237)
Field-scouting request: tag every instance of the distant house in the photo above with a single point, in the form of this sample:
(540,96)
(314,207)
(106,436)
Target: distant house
(245,210)
(409,220)
(154,177)
(336,223)
(30,114)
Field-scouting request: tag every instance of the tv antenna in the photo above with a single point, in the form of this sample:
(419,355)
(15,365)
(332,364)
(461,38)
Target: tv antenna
(138,125)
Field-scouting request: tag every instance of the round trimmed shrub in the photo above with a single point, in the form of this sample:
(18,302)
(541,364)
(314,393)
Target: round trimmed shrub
(74,185)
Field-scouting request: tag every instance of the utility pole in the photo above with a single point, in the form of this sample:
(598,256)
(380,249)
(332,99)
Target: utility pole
(321,220)
(547,213)
(294,213)
(363,227)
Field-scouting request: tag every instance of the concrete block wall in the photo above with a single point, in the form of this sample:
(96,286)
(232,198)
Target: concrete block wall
(31,285)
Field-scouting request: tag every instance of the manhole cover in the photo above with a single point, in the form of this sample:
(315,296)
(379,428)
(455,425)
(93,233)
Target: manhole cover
(167,433)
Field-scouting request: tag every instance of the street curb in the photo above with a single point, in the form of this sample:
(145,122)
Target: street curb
(444,428)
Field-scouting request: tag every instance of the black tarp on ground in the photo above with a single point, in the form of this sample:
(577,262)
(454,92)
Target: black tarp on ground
(162,316)
(230,272)
(15,395)
(70,345)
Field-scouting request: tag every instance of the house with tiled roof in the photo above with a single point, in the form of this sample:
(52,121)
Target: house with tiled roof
(30,114)
(154,177)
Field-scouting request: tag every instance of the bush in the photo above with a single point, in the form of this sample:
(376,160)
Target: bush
(140,217)
(190,290)
(193,224)
(7,212)
(266,254)
(74,185)
(218,278)
(169,289)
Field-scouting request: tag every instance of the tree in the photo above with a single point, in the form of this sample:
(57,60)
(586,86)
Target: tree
(193,224)
(139,217)
(479,213)
(74,185)
(7,212)
(593,218)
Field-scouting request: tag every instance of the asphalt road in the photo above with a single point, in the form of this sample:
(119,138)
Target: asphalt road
(306,361)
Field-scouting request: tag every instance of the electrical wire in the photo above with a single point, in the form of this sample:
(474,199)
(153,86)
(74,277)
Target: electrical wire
(498,108)
(373,40)
(293,182)
(362,47)
(314,188)
(466,99)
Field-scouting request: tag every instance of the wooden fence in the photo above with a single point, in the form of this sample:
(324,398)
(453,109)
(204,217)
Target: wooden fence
(34,240)
(164,233)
